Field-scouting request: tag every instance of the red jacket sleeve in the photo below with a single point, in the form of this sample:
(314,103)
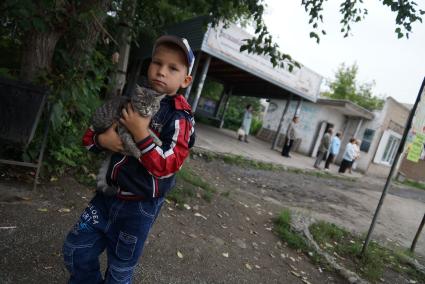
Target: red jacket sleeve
(90,141)
(165,160)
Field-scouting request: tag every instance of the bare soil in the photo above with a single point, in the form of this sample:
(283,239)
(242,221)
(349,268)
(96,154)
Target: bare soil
(229,240)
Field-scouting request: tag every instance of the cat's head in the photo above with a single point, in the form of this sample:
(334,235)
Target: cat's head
(146,101)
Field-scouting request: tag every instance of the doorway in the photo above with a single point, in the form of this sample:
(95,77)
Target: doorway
(322,128)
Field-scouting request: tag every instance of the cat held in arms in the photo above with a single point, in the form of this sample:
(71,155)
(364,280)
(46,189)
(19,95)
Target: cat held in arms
(146,102)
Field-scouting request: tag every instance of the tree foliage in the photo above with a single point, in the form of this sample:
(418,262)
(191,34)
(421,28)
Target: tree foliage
(346,87)
(66,44)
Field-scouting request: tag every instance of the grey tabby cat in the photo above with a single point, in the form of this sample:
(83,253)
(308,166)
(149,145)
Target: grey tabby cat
(146,102)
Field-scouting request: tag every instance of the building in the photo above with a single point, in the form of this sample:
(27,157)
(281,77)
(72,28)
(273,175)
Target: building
(379,131)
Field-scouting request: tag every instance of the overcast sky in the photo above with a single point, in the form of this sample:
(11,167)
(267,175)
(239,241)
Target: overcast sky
(396,65)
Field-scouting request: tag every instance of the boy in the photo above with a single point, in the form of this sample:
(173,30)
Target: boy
(120,224)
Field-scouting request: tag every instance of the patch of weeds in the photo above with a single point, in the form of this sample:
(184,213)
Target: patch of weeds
(245,162)
(372,264)
(295,171)
(286,233)
(181,193)
(87,170)
(192,178)
(206,155)
(191,182)
(225,193)
(413,183)
(296,240)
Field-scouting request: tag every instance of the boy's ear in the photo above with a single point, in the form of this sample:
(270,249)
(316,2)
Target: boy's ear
(187,81)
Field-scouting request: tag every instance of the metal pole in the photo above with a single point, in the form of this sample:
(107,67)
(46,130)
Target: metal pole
(226,105)
(393,167)
(421,226)
(274,144)
(195,68)
(201,83)
(298,109)
(220,102)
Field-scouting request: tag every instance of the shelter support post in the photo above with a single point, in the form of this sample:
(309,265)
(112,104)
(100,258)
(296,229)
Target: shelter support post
(298,109)
(276,137)
(220,102)
(226,105)
(201,82)
(195,68)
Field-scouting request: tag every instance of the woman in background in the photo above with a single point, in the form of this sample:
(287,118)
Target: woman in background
(246,123)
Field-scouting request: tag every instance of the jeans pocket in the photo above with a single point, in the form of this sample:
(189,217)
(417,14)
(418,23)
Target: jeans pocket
(68,256)
(148,208)
(125,246)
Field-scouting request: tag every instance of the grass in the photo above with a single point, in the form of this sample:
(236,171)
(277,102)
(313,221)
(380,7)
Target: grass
(188,184)
(87,170)
(286,233)
(241,161)
(238,160)
(295,240)
(337,241)
(413,183)
(373,264)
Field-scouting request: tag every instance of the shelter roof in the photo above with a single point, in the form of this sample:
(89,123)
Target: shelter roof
(347,108)
(247,74)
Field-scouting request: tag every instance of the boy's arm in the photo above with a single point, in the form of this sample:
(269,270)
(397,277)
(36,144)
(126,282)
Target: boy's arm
(109,140)
(91,141)
(165,160)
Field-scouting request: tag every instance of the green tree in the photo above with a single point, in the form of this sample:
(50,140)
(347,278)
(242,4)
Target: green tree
(41,24)
(345,87)
(64,44)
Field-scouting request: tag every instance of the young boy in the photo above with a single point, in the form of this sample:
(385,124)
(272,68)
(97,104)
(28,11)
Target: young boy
(120,224)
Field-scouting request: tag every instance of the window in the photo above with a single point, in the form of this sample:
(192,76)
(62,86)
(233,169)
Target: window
(390,150)
(367,140)
(387,148)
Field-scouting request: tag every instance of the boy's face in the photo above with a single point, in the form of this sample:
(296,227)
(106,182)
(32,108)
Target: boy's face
(167,72)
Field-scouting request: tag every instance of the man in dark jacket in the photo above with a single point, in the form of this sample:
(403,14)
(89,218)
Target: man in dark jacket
(323,148)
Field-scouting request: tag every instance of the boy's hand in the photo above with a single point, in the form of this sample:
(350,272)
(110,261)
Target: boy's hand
(137,125)
(110,139)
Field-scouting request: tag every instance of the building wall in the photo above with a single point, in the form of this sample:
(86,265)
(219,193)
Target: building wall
(392,117)
(311,117)
(413,171)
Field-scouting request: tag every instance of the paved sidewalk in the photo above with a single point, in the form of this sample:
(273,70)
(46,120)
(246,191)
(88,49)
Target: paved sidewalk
(225,141)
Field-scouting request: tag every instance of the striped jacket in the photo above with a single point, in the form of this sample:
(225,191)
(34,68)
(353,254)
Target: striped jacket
(153,173)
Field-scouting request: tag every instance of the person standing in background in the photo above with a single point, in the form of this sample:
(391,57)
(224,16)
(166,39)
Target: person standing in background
(349,156)
(325,143)
(356,156)
(246,122)
(333,150)
(291,135)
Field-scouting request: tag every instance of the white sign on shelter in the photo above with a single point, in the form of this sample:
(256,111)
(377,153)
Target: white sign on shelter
(225,43)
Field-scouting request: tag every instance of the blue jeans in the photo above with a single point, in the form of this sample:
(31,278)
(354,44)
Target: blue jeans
(121,227)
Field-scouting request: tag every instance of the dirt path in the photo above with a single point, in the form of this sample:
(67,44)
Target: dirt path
(230,241)
(226,241)
(347,203)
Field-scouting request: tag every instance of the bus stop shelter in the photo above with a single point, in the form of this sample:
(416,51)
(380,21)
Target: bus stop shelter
(218,56)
